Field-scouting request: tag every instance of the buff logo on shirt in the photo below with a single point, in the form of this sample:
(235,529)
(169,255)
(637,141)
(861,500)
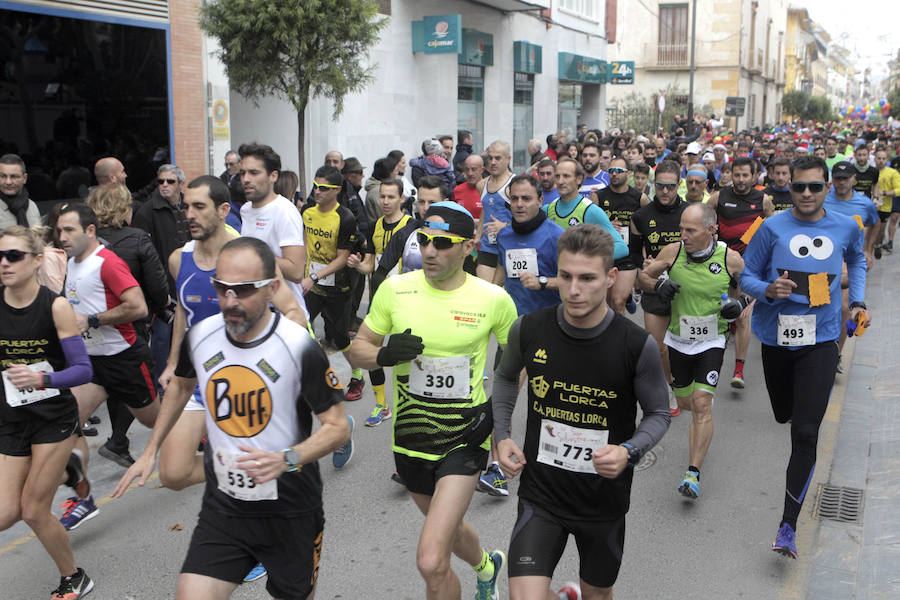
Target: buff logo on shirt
(239,401)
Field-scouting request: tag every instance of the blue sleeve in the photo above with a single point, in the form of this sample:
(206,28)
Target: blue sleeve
(596,215)
(754,277)
(856,266)
(233,220)
(871,214)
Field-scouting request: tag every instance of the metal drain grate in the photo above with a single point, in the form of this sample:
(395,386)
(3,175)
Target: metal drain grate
(838,503)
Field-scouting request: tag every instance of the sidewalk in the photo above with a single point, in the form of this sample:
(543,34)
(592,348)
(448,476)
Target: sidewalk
(861,559)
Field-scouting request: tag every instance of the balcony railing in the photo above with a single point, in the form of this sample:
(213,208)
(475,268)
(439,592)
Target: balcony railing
(671,55)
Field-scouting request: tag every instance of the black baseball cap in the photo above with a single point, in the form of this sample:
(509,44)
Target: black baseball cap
(842,170)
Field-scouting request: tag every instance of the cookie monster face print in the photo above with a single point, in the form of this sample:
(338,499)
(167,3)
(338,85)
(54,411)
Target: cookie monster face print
(809,256)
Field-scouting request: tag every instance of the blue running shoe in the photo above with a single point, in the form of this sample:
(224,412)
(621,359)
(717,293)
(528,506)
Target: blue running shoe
(690,485)
(493,481)
(379,414)
(784,541)
(76,512)
(342,456)
(255,573)
(489,590)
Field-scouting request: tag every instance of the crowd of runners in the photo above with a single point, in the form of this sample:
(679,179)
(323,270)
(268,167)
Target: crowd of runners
(607,275)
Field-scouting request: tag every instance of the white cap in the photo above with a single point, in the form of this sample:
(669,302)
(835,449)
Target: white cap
(693,148)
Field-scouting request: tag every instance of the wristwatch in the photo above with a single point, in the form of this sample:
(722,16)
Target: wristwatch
(45,380)
(93,321)
(291,459)
(861,305)
(634,455)
(543,281)
(314,277)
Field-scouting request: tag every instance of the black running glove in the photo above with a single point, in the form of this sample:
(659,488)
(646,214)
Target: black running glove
(667,288)
(733,307)
(401,347)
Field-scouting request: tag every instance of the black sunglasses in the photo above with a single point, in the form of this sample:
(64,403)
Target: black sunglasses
(815,187)
(665,186)
(169,181)
(14,256)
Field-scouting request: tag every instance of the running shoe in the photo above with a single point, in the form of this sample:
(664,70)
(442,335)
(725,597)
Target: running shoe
(631,306)
(674,409)
(342,456)
(75,586)
(888,247)
(76,512)
(784,541)
(877,252)
(255,573)
(489,590)
(121,457)
(493,481)
(840,365)
(379,413)
(737,382)
(690,485)
(94,420)
(570,591)
(354,389)
(88,431)
(395,477)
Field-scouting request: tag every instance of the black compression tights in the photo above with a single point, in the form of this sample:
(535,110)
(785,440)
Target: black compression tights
(799,384)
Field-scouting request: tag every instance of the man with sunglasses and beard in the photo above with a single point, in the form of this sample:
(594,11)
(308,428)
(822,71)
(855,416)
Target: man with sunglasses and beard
(440,320)
(620,201)
(793,267)
(262,378)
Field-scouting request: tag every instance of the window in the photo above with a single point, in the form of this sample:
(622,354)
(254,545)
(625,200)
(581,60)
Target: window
(582,8)
(673,34)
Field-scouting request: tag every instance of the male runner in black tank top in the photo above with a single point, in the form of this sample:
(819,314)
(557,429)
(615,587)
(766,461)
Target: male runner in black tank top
(738,207)
(652,228)
(620,201)
(780,188)
(580,438)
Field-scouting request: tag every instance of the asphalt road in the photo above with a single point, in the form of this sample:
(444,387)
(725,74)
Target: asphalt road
(718,546)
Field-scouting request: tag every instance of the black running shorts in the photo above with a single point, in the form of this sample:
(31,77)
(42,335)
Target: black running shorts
(127,375)
(651,303)
(695,371)
(226,548)
(420,475)
(539,539)
(16,437)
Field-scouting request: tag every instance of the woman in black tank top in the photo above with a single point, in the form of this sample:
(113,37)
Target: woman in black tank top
(38,414)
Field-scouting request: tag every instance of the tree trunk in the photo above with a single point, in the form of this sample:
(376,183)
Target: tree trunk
(301,151)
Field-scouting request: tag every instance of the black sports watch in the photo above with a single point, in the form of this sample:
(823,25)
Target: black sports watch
(861,305)
(543,281)
(93,321)
(291,459)
(634,454)
(314,277)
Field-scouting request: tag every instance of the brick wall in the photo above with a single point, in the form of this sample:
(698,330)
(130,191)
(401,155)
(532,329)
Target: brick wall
(188,94)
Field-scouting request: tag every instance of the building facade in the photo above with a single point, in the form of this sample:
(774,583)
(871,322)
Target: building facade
(104,77)
(519,70)
(739,50)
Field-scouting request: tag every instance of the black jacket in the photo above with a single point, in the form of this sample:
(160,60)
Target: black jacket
(167,227)
(135,248)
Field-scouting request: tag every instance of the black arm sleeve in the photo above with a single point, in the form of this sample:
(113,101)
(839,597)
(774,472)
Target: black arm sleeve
(505,390)
(185,366)
(652,393)
(636,249)
(154,281)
